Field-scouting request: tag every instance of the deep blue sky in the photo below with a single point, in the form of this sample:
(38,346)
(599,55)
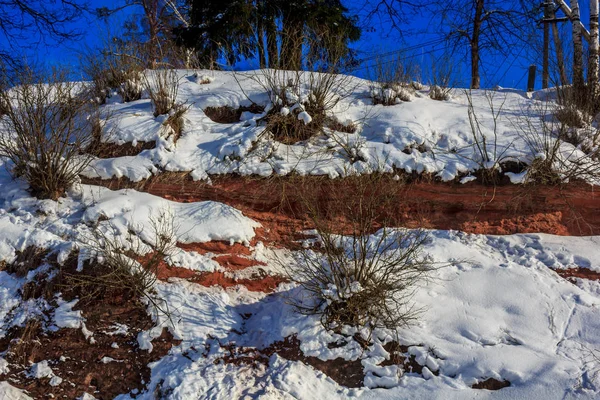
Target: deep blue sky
(508,72)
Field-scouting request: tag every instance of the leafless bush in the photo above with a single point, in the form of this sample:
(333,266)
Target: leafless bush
(576,108)
(558,155)
(117,66)
(300,101)
(175,121)
(392,81)
(358,278)
(45,131)
(487,152)
(441,79)
(162,86)
(124,261)
(132,85)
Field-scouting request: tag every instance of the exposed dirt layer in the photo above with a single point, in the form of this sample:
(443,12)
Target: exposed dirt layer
(491,384)
(232,258)
(472,207)
(349,373)
(584,273)
(112,365)
(112,150)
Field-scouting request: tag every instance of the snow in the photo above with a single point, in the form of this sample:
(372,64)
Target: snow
(194,222)
(498,311)
(8,392)
(207,147)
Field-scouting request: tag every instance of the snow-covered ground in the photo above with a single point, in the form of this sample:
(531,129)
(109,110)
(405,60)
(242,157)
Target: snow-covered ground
(499,311)
(386,139)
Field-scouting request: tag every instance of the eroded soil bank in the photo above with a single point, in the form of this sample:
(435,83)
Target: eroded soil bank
(572,209)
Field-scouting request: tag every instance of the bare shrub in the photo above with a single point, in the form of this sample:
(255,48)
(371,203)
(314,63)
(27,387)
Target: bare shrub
(441,79)
(162,86)
(29,259)
(300,101)
(22,349)
(392,81)
(486,150)
(45,131)
(560,153)
(132,85)
(116,66)
(354,277)
(576,108)
(175,121)
(125,262)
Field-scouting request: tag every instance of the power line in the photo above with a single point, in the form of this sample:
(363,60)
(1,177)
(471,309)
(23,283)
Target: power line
(405,49)
(363,67)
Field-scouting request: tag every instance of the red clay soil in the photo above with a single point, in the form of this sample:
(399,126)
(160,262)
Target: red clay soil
(256,283)
(83,366)
(584,273)
(231,258)
(276,202)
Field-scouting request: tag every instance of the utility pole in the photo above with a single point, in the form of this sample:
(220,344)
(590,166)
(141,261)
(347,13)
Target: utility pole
(546,61)
(550,19)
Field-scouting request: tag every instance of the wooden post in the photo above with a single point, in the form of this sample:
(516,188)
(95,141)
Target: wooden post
(546,61)
(560,58)
(531,78)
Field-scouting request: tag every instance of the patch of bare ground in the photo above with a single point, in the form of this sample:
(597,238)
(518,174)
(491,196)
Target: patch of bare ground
(112,365)
(230,115)
(349,373)
(491,384)
(473,208)
(572,274)
(113,150)
(231,258)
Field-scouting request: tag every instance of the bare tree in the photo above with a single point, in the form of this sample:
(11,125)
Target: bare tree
(578,81)
(25,23)
(482,26)
(152,25)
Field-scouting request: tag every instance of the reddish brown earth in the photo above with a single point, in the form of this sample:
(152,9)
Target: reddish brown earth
(277,203)
(583,273)
(82,368)
(234,257)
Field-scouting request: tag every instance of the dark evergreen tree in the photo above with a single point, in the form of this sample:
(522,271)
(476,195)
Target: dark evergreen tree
(281,33)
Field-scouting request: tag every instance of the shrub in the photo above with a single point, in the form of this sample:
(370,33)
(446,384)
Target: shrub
(392,81)
(486,151)
(132,85)
(175,121)
(577,108)
(439,93)
(359,279)
(162,86)
(300,102)
(559,153)
(123,261)
(117,66)
(441,79)
(45,131)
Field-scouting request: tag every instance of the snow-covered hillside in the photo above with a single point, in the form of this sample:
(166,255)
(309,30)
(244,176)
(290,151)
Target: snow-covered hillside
(496,315)
(421,135)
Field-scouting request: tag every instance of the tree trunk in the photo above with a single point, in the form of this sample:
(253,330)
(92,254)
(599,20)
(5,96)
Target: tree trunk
(271,28)
(593,61)
(291,41)
(151,14)
(477,21)
(578,80)
(260,29)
